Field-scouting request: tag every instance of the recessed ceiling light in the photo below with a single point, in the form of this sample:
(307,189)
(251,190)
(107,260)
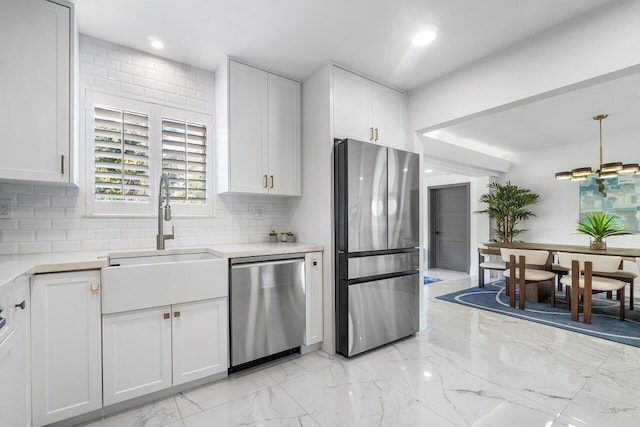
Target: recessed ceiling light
(157,44)
(425,37)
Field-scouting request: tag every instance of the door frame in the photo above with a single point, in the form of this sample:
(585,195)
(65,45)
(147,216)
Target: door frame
(432,219)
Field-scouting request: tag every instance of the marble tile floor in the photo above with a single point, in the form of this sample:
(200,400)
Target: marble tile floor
(467,367)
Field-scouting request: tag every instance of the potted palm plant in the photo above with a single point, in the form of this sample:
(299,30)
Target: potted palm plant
(507,205)
(600,225)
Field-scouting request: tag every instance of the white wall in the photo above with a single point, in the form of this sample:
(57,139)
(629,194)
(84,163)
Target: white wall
(479,224)
(48,218)
(600,42)
(558,206)
(312,214)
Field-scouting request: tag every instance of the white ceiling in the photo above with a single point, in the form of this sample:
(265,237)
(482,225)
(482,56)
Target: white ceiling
(295,37)
(562,119)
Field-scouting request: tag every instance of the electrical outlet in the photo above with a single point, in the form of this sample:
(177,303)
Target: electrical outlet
(5,208)
(258,211)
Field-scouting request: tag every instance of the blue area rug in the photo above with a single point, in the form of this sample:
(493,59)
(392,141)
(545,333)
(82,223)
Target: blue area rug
(428,280)
(605,320)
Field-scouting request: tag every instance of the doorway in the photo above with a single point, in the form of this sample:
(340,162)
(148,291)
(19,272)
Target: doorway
(449,227)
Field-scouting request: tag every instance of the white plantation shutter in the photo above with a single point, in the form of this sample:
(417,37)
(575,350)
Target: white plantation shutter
(184,160)
(121,155)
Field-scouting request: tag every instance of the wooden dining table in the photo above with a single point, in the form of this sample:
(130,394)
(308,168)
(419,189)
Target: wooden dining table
(629,254)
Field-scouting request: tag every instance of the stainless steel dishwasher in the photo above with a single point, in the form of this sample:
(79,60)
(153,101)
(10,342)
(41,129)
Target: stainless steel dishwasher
(267,305)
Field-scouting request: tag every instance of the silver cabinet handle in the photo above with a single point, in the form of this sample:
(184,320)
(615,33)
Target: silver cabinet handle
(264,181)
(22,305)
(370,134)
(375,132)
(167,315)
(271,181)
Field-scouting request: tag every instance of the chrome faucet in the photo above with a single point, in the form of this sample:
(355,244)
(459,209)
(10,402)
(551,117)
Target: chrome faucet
(161,237)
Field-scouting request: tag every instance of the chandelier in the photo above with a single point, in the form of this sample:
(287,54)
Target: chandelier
(606,170)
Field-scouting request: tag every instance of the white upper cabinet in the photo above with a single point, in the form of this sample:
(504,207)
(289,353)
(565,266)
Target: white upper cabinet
(258,131)
(368,111)
(36,90)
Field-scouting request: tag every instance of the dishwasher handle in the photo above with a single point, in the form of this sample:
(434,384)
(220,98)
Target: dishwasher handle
(266,263)
(263,258)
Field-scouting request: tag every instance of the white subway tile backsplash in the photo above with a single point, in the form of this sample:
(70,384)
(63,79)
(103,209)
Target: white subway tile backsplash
(94,245)
(8,224)
(102,83)
(48,212)
(119,76)
(17,236)
(119,56)
(34,248)
(134,70)
(35,201)
(66,246)
(81,234)
(66,224)
(50,190)
(120,244)
(155,94)
(132,89)
(16,189)
(93,70)
(108,233)
(64,202)
(50,235)
(103,61)
(35,224)
(8,248)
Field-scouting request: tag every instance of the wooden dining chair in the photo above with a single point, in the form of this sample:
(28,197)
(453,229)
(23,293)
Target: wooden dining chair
(526,266)
(486,263)
(582,282)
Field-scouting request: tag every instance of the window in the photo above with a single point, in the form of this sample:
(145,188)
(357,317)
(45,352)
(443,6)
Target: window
(130,144)
(121,155)
(184,160)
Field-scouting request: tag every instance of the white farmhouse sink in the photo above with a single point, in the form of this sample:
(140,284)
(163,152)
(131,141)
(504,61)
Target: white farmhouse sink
(137,282)
(159,258)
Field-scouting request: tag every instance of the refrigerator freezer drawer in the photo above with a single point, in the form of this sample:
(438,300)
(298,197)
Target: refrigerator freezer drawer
(382,311)
(374,265)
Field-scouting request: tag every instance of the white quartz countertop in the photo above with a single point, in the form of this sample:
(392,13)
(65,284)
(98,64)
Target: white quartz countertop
(12,266)
(257,249)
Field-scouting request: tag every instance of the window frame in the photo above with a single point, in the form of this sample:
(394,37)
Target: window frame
(155,112)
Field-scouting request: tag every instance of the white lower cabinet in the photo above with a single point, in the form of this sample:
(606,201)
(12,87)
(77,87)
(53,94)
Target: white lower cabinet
(66,345)
(313,280)
(152,349)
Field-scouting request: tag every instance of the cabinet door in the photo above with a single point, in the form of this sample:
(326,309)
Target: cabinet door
(313,288)
(284,136)
(247,129)
(65,344)
(389,116)
(35,90)
(21,383)
(199,335)
(136,353)
(351,106)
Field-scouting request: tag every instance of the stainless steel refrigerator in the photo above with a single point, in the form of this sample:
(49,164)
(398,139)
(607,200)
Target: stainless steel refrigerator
(376,200)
